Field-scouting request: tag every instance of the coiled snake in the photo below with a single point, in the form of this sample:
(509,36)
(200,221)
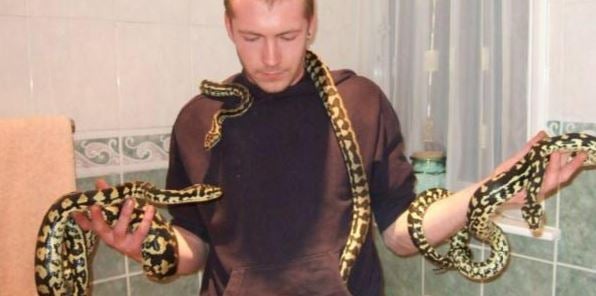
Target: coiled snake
(63,248)
(527,174)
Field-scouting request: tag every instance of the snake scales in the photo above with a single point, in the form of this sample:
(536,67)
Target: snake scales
(346,137)
(63,248)
(527,174)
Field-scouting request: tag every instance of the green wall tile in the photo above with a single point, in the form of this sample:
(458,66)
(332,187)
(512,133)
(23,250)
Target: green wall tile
(402,276)
(532,247)
(110,288)
(448,283)
(577,221)
(573,282)
(107,262)
(522,277)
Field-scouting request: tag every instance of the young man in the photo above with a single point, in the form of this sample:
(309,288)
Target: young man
(284,217)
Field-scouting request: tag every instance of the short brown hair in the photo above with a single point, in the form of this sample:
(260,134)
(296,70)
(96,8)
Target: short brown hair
(309,7)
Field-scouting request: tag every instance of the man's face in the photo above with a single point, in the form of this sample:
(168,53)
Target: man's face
(271,41)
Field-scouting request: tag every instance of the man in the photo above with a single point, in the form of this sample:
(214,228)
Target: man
(284,216)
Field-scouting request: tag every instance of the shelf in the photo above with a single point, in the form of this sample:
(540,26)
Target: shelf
(519,227)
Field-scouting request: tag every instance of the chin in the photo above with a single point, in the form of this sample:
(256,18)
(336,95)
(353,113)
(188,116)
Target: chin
(274,87)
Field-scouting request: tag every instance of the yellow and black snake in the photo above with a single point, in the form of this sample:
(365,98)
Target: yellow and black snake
(346,137)
(63,249)
(527,174)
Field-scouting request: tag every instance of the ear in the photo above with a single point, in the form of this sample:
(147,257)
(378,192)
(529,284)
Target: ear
(312,29)
(228,22)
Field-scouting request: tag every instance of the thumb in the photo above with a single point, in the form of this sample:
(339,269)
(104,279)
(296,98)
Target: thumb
(101,184)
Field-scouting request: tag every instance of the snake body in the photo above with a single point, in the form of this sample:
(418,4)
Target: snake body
(527,175)
(344,133)
(63,249)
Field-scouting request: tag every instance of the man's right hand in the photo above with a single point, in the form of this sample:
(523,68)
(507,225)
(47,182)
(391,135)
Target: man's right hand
(117,237)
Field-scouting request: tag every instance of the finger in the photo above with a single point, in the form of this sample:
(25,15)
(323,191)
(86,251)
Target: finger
(571,167)
(143,228)
(551,174)
(554,165)
(520,154)
(518,199)
(535,139)
(121,226)
(101,184)
(82,220)
(101,228)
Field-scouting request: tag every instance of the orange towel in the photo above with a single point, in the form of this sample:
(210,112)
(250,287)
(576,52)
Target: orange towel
(36,167)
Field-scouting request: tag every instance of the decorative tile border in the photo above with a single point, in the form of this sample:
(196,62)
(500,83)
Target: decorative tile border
(116,154)
(144,149)
(556,127)
(553,127)
(576,127)
(99,152)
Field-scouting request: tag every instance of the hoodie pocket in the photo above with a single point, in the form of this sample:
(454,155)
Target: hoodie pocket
(311,275)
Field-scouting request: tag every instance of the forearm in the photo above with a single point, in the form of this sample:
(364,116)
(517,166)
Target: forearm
(192,251)
(443,219)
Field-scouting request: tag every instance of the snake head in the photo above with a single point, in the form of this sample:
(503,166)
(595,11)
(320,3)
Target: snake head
(211,139)
(214,134)
(591,160)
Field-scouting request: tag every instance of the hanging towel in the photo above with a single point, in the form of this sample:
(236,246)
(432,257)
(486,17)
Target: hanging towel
(36,167)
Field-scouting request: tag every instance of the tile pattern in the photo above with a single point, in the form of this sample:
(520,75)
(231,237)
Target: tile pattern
(145,149)
(118,159)
(563,267)
(93,153)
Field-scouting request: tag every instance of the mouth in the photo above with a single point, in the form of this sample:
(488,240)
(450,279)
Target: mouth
(271,75)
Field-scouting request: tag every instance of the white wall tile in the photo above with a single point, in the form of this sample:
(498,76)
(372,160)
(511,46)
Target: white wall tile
(573,89)
(163,11)
(93,9)
(12,7)
(14,66)
(207,13)
(86,9)
(56,8)
(336,15)
(73,69)
(336,20)
(335,50)
(154,71)
(213,54)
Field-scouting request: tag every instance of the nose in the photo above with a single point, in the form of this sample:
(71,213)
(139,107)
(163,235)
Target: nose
(271,54)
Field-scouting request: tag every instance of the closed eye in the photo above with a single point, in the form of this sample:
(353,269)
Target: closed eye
(288,36)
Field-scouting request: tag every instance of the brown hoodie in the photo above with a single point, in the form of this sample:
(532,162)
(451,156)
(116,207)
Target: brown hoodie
(283,220)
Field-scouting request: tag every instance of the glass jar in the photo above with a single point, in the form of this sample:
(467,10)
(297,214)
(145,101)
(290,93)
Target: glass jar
(429,168)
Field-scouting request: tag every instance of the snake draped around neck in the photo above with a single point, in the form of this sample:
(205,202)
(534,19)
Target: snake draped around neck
(285,214)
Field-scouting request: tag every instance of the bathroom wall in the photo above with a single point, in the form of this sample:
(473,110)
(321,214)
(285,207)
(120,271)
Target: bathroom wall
(565,102)
(122,69)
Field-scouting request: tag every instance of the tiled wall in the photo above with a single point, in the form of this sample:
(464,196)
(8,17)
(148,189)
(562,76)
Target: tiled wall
(130,64)
(140,156)
(565,267)
(122,69)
